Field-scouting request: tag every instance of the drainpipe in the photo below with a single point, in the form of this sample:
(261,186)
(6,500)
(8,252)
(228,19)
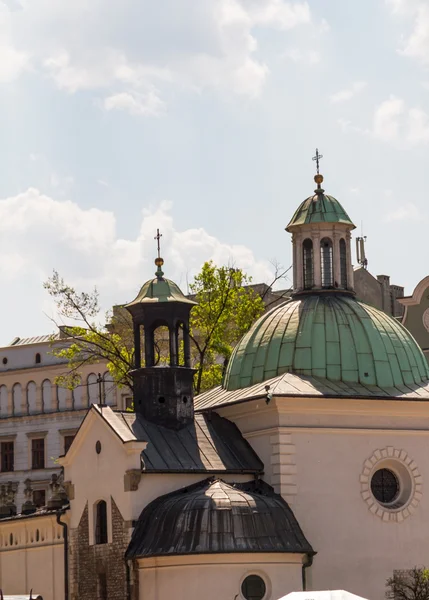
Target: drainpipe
(66,552)
(305,566)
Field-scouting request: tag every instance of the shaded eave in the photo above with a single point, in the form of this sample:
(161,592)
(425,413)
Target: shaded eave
(256,551)
(290,385)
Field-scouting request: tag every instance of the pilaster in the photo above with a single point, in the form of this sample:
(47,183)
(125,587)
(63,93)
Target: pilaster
(299,283)
(316,257)
(284,467)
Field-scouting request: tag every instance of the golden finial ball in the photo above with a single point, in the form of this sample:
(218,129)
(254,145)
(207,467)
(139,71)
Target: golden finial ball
(159,261)
(318,178)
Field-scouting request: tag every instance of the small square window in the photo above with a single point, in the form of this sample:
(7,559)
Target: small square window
(38,453)
(7,456)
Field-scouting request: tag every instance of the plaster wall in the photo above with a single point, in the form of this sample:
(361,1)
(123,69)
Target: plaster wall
(34,560)
(368,289)
(24,357)
(322,456)
(413,321)
(103,476)
(217,576)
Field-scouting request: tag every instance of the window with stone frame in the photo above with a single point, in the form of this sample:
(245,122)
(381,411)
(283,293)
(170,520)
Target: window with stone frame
(101,522)
(7,456)
(38,453)
(68,439)
(39,498)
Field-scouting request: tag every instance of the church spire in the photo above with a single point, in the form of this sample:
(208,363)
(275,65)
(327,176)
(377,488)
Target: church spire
(321,242)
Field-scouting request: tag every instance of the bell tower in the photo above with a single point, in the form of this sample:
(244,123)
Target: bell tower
(163,382)
(321,239)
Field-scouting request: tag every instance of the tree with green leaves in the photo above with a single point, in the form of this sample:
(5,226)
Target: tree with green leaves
(411,584)
(227,307)
(86,342)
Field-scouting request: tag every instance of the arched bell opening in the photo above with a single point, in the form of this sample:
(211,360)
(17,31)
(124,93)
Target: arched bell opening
(308,264)
(326,263)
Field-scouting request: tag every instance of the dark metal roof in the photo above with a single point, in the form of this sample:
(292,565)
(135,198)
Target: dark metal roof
(216,517)
(210,444)
(292,385)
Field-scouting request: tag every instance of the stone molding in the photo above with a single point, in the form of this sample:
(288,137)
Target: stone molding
(385,457)
(132,480)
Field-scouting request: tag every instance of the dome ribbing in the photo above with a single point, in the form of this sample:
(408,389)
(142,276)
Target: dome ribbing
(213,516)
(320,208)
(329,336)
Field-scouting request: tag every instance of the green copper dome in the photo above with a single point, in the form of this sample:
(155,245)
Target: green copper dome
(160,289)
(320,208)
(328,336)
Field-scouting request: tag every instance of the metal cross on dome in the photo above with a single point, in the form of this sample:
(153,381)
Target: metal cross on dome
(158,238)
(317,158)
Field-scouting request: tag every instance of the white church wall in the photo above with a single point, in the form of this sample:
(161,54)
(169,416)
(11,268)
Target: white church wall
(322,453)
(338,445)
(214,576)
(101,476)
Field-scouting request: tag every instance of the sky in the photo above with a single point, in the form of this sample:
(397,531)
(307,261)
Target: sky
(201,118)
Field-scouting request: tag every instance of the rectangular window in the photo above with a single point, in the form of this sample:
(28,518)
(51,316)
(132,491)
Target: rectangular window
(38,453)
(7,456)
(39,498)
(128,402)
(68,439)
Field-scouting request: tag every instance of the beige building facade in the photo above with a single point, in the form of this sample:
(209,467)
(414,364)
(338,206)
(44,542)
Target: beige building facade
(38,418)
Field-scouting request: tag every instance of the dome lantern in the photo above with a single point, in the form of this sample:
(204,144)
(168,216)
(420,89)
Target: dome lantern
(163,391)
(321,238)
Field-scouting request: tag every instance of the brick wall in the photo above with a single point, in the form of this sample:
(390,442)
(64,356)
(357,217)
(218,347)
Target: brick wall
(93,567)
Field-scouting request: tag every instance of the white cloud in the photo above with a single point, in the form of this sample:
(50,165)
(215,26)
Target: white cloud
(12,63)
(416,44)
(407,212)
(277,13)
(386,119)
(147,104)
(39,233)
(393,121)
(418,126)
(307,57)
(349,92)
(116,45)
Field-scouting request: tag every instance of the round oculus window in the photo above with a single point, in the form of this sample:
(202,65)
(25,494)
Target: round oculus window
(385,486)
(253,588)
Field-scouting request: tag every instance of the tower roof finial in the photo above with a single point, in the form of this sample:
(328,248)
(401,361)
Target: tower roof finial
(158,260)
(318,178)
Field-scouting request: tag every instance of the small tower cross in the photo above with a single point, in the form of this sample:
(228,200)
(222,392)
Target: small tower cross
(158,238)
(317,158)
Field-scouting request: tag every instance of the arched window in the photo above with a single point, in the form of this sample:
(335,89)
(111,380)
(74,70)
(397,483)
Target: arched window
(326,263)
(17,399)
(307,262)
(101,522)
(343,263)
(38,359)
